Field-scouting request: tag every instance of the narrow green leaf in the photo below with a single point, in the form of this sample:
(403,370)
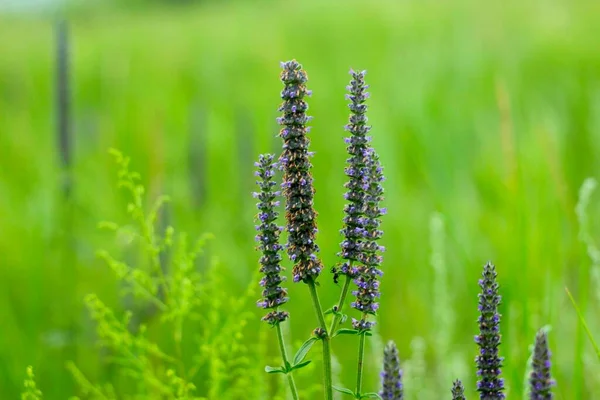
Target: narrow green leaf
(301,365)
(303,350)
(273,370)
(371,395)
(345,331)
(344,390)
(329,311)
(584,324)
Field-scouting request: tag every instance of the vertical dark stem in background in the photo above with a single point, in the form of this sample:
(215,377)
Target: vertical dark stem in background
(63,104)
(64,141)
(245,137)
(197,155)
(245,134)
(65,249)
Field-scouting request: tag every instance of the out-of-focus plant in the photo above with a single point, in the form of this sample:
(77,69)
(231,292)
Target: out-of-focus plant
(186,301)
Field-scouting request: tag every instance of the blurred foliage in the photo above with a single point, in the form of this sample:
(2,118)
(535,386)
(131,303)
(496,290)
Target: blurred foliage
(486,113)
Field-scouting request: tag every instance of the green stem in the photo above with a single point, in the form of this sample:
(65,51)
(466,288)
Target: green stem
(361,356)
(326,341)
(340,305)
(290,377)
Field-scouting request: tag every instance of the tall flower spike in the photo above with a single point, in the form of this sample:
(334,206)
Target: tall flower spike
(273,295)
(490,386)
(356,170)
(297,179)
(540,380)
(458,391)
(367,279)
(391,376)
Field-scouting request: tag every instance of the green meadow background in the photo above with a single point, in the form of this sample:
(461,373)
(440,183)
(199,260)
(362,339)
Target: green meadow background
(485,114)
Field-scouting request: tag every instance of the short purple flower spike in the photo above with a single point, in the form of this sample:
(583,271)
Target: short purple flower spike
(490,386)
(273,295)
(297,180)
(391,376)
(458,391)
(540,380)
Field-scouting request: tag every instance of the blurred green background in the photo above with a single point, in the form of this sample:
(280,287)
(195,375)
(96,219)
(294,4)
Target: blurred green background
(488,113)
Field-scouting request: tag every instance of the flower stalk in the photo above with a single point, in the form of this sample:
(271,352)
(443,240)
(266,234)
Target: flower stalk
(299,195)
(391,376)
(286,361)
(297,180)
(357,147)
(360,249)
(490,386)
(367,280)
(273,295)
(458,391)
(323,335)
(541,381)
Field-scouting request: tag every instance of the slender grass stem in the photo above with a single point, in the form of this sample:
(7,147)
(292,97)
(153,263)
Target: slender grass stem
(583,323)
(290,377)
(361,357)
(328,381)
(340,305)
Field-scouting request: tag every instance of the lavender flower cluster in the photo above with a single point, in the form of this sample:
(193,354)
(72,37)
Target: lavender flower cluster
(357,171)
(360,251)
(489,363)
(297,179)
(458,391)
(367,277)
(273,295)
(363,212)
(391,376)
(540,380)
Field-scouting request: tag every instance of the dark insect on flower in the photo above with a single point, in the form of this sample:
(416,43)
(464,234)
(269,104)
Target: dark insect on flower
(490,386)
(353,230)
(458,391)
(336,275)
(297,179)
(273,295)
(540,380)
(391,376)
(367,280)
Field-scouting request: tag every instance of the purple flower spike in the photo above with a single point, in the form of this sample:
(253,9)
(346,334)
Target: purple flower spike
(458,391)
(490,386)
(540,380)
(364,193)
(297,180)
(356,170)
(391,376)
(368,248)
(273,295)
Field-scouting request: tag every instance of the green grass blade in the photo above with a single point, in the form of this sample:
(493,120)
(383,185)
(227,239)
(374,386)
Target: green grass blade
(583,323)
